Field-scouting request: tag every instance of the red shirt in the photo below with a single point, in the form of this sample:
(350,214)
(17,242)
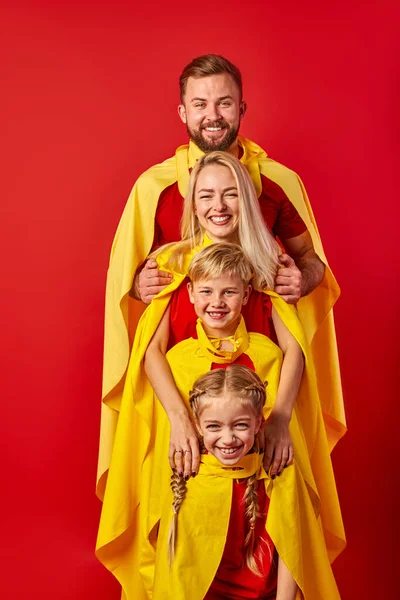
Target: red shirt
(234,580)
(279,214)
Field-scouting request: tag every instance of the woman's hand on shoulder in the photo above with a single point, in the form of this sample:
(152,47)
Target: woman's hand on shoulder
(278,447)
(184,450)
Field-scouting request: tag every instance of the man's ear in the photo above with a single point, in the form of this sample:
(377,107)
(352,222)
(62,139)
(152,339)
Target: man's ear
(190,291)
(246,294)
(182,113)
(242,109)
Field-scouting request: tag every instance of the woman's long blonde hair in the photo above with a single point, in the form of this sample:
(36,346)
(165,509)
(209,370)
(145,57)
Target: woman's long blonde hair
(258,244)
(250,392)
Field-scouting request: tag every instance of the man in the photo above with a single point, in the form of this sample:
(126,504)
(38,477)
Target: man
(212,107)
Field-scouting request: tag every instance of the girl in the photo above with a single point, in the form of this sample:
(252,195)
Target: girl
(231,554)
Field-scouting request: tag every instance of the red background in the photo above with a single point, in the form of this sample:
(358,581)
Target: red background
(88,102)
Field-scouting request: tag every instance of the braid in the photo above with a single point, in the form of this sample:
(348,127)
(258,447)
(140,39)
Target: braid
(252,512)
(178,486)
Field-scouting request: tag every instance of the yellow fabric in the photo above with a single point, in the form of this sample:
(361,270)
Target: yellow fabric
(132,244)
(210,346)
(139,472)
(202,527)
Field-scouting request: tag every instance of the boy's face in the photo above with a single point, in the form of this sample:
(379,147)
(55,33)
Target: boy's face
(228,428)
(218,303)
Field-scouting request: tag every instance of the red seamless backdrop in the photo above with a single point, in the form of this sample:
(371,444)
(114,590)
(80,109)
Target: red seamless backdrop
(88,101)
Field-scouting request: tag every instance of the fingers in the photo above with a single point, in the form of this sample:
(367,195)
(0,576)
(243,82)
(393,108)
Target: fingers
(286,260)
(277,455)
(261,440)
(185,460)
(281,455)
(288,288)
(195,458)
(287,277)
(152,281)
(178,462)
(268,454)
(291,456)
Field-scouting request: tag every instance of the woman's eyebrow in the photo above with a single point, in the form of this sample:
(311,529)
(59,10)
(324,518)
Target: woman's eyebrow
(233,187)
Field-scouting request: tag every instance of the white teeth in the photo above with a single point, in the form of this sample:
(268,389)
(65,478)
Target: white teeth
(220,219)
(228,450)
(213,128)
(216,314)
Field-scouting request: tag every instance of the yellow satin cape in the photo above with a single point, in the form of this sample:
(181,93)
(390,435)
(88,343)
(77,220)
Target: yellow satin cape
(139,470)
(132,243)
(202,526)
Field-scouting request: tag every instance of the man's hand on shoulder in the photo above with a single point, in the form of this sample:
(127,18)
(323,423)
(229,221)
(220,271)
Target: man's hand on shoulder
(304,258)
(288,280)
(149,282)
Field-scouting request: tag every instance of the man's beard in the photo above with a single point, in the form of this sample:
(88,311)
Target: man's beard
(210,146)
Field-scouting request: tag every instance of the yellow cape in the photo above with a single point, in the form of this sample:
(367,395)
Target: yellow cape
(131,246)
(139,470)
(202,526)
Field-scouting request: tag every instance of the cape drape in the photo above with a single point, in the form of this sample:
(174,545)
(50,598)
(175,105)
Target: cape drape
(131,246)
(139,472)
(202,526)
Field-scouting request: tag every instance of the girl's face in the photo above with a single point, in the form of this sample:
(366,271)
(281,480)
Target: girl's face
(216,203)
(228,428)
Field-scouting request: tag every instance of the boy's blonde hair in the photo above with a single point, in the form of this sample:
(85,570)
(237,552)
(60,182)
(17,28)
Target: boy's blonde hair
(257,243)
(219,259)
(250,392)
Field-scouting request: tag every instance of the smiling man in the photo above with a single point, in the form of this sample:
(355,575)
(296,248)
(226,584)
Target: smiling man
(212,108)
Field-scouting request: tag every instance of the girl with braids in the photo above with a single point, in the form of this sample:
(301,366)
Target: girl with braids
(233,557)
(140,461)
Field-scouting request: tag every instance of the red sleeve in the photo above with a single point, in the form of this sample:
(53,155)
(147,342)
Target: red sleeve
(279,213)
(168,217)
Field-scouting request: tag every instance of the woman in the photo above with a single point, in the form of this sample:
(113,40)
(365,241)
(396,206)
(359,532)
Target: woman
(225,209)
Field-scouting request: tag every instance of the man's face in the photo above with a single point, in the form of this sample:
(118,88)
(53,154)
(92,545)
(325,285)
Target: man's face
(212,111)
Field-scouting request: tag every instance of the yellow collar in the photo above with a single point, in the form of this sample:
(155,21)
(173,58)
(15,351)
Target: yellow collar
(246,467)
(239,340)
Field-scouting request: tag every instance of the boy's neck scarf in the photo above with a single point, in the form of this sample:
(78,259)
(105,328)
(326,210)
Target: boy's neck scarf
(239,341)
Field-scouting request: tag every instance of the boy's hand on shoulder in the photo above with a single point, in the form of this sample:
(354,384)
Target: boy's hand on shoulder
(278,448)
(184,450)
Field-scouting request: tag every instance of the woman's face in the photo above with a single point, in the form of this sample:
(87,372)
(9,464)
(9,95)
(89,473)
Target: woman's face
(216,203)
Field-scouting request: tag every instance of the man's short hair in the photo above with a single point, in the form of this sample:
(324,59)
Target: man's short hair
(206,65)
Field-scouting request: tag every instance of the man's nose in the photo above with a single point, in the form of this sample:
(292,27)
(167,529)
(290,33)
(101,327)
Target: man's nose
(212,112)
